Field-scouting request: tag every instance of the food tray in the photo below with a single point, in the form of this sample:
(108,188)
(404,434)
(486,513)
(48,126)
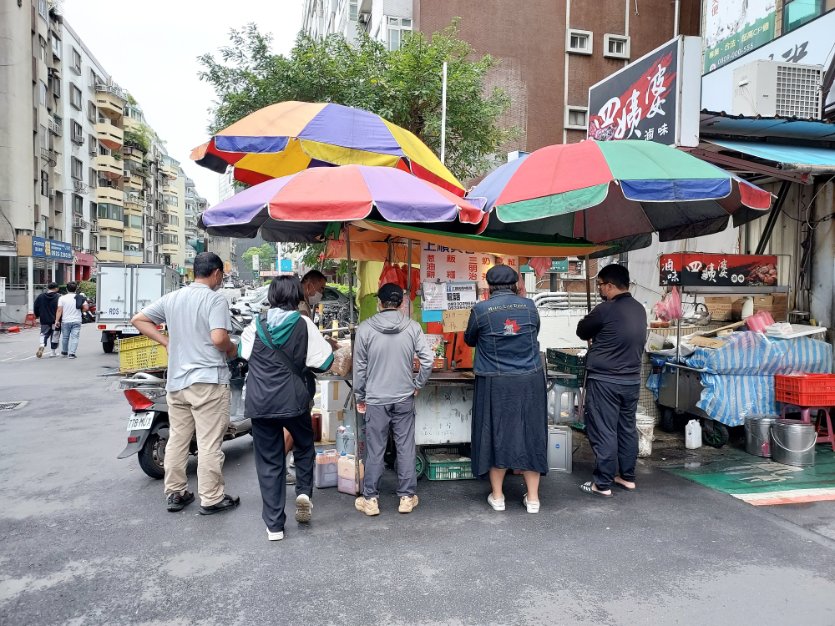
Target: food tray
(805,390)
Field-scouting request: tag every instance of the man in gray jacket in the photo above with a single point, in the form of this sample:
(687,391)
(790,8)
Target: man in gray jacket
(385,388)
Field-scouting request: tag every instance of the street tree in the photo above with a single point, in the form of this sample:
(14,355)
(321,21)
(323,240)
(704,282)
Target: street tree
(403,86)
(266,256)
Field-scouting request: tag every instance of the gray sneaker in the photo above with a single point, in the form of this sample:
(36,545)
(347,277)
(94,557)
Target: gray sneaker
(291,476)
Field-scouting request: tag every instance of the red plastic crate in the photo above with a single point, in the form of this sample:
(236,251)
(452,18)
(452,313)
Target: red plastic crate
(805,389)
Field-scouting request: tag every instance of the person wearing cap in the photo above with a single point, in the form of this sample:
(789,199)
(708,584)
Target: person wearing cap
(510,419)
(385,387)
(617,330)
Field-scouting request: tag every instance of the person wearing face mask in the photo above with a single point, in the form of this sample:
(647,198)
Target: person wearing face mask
(616,330)
(198,344)
(313,287)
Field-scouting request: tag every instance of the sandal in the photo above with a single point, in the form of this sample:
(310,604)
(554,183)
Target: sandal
(587,488)
(624,487)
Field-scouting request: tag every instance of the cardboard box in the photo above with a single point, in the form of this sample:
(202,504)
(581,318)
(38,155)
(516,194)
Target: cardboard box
(334,393)
(331,420)
(776,304)
(720,308)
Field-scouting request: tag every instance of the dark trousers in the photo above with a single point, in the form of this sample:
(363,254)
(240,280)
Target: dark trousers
(401,417)
(49,334)
(610,426)
(271,467)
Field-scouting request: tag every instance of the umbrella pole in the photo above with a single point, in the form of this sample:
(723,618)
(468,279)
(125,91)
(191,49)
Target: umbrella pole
(588,286)
(409,277)
(350,283)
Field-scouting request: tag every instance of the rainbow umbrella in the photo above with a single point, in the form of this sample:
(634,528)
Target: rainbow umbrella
(302,207)
(616,191)
(285,138)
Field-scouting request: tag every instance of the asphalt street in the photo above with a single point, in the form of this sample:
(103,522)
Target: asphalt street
(85,538)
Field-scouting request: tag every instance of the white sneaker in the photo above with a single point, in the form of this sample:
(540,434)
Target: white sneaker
(532,507)
(277,536)
(54,354)
(498,505)
(304,509)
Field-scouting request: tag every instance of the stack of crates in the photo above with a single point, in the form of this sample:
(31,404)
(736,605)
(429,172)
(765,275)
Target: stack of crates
(568,361)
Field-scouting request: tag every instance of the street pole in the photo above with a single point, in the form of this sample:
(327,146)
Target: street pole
(30,291)
(443,112)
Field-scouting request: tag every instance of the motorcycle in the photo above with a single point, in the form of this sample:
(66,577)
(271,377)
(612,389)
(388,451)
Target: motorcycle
(147,426)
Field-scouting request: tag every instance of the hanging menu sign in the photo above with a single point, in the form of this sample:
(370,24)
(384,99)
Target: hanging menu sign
(695,269)
(439,263)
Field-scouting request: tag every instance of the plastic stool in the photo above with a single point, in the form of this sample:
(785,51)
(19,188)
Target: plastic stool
(29,322)
(806,418)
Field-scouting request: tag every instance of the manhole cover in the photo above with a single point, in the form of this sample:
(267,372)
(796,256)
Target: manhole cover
(9,406)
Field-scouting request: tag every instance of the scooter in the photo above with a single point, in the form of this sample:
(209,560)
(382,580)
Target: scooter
(148,422)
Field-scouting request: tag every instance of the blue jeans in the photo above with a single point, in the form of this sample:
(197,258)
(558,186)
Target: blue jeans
(69,337)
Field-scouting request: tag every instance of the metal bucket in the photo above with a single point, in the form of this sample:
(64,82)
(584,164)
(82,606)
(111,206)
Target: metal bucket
(793,442)
(758,434)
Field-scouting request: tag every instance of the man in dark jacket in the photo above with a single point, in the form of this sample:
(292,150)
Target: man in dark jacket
(45,309)
(385,388)
(616,329)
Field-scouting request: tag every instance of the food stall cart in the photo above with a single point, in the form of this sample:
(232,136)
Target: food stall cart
(722,379)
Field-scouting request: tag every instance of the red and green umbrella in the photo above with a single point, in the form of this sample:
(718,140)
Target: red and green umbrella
(287,137)
(610,191)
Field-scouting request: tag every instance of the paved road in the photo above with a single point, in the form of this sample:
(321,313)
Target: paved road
(85,539)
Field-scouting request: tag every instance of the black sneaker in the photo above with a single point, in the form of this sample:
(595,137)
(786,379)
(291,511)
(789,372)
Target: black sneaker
(72,356)
(228,502)
(177,501)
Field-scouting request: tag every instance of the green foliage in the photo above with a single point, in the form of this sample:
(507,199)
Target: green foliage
(403,86)
(88,288)
(266,256)
(138,139)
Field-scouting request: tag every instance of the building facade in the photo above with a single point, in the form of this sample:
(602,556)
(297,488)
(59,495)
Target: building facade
(84,178)
(383,20)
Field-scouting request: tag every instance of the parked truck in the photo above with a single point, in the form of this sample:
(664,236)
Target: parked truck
(122,290)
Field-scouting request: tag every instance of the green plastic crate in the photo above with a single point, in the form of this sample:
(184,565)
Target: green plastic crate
(567,360)
(449,467)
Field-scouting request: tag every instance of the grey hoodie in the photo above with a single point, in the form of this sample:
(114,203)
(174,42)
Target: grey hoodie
(384,352)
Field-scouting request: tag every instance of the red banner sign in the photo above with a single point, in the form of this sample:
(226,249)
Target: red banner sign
(696,269)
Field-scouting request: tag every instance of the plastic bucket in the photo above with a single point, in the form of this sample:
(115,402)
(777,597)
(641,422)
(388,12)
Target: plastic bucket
(793,442)
(646,433)
(758,434)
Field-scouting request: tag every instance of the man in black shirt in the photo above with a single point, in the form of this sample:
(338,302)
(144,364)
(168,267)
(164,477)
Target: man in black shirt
(616,329)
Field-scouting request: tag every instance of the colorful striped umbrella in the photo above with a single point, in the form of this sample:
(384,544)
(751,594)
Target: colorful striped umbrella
(616,191)
(288,137)
(300,207)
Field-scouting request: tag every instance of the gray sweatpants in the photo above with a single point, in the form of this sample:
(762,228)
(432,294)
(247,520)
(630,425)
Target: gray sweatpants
(401,416)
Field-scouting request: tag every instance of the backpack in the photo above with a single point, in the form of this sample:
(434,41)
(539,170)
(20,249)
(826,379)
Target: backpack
(80,301)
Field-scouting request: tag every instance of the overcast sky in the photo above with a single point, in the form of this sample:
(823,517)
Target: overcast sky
(160,68)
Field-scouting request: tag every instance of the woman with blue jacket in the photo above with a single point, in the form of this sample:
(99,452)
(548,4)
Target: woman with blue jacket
(510,421)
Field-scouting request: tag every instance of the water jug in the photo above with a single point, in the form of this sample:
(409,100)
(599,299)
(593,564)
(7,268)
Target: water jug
(693,435)
(325,470)
(347,475)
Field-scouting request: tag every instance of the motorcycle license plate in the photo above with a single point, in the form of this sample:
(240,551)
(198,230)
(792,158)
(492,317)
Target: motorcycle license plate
(140,421)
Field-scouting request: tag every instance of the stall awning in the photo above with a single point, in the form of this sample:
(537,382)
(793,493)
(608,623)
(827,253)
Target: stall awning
(798,158)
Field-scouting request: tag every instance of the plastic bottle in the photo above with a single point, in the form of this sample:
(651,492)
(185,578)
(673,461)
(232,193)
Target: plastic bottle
(553,402)
(340,440)
(693,435)
(345,439)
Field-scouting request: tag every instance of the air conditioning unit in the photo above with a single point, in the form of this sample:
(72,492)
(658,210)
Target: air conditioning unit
(770,89)
(94,151)
(78,222)
(80,186)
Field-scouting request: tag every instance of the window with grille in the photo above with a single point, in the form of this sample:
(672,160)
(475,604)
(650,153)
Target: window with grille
(578,41)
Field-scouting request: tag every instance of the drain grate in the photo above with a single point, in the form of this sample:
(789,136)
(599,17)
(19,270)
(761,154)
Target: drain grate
(10,406)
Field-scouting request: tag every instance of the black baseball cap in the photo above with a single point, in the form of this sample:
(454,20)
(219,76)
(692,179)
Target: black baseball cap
(502,275)
(390,292)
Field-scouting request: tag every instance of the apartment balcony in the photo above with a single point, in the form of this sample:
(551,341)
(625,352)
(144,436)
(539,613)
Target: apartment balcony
(169,171)
(131,124)
(170,248)
(106,224)
(108,256)
(56,126)
(134,201)
(110,195)
(108,166)
(171,229)
(133,235)
(133,183)
(110,100)
(133,154)
(109,134)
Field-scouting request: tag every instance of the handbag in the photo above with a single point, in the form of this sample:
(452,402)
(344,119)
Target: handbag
(306,375)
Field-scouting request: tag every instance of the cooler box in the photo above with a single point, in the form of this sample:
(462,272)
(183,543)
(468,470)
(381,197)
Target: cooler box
(559,449)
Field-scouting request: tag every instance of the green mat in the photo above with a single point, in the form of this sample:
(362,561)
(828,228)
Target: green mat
(760,481)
